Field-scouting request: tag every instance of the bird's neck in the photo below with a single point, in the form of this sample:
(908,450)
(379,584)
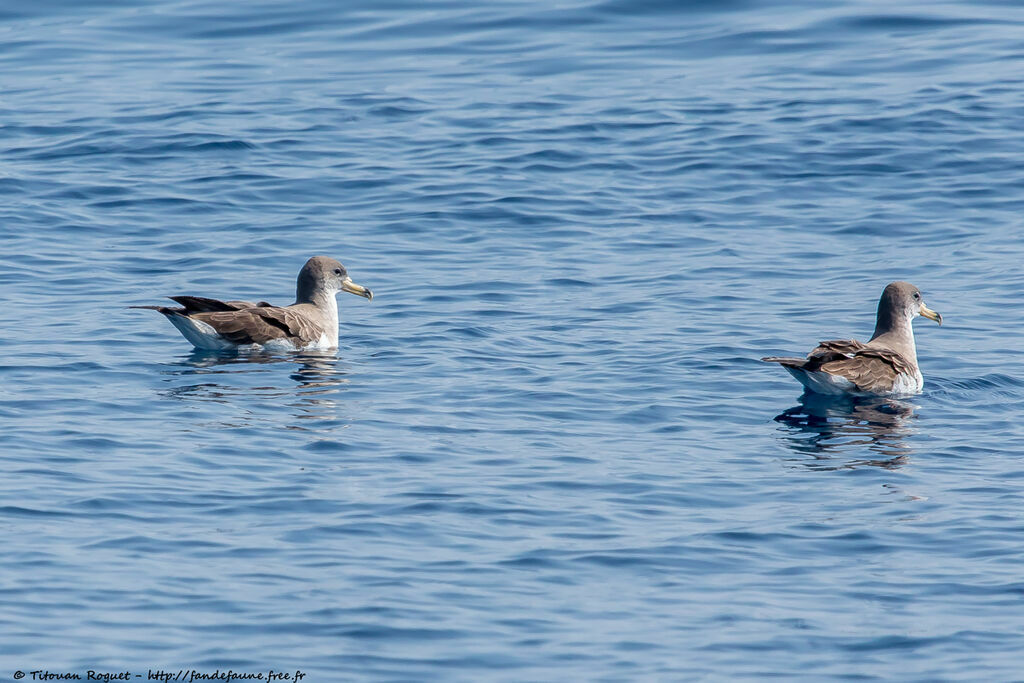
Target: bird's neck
(327,303)
(896,334)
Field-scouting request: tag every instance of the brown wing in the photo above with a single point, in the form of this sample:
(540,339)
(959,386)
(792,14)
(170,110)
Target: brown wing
(239,305)
(847,358)
(260,325)
(825,352)
(845,347)
(871,370)
(834,350)
(292,320)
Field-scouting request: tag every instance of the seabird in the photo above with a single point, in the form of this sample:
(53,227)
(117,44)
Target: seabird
(885,366)
(309,323)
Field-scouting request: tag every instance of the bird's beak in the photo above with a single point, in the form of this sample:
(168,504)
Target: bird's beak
(352,288)
(930,314)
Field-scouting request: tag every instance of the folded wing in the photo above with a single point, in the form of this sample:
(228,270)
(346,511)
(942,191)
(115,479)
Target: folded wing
(262,324)
(870,369)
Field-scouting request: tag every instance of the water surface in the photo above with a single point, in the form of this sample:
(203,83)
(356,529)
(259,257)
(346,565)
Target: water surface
(546,449)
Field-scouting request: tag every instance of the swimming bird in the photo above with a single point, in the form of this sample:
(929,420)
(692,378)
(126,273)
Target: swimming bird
(309,323)
(885,366)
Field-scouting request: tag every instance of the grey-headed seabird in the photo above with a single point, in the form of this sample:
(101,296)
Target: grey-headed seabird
(309,323)
(885,366)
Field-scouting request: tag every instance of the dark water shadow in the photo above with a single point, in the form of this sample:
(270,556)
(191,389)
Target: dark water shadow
(838,432)
(232,378)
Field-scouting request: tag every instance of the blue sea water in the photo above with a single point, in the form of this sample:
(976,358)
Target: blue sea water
(546,450)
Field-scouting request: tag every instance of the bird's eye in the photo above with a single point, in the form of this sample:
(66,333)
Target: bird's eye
(917,295)
(337,271)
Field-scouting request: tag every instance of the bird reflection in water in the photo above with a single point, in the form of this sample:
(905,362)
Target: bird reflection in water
(827,428)
(318,375)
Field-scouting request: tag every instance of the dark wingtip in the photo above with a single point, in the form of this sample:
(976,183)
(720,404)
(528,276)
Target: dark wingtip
(166,310)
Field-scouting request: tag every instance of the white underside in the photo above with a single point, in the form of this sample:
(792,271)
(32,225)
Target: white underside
(834,385)
(908,385)
(204,337)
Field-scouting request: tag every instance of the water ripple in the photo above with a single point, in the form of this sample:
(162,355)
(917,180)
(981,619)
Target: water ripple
(547,447)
